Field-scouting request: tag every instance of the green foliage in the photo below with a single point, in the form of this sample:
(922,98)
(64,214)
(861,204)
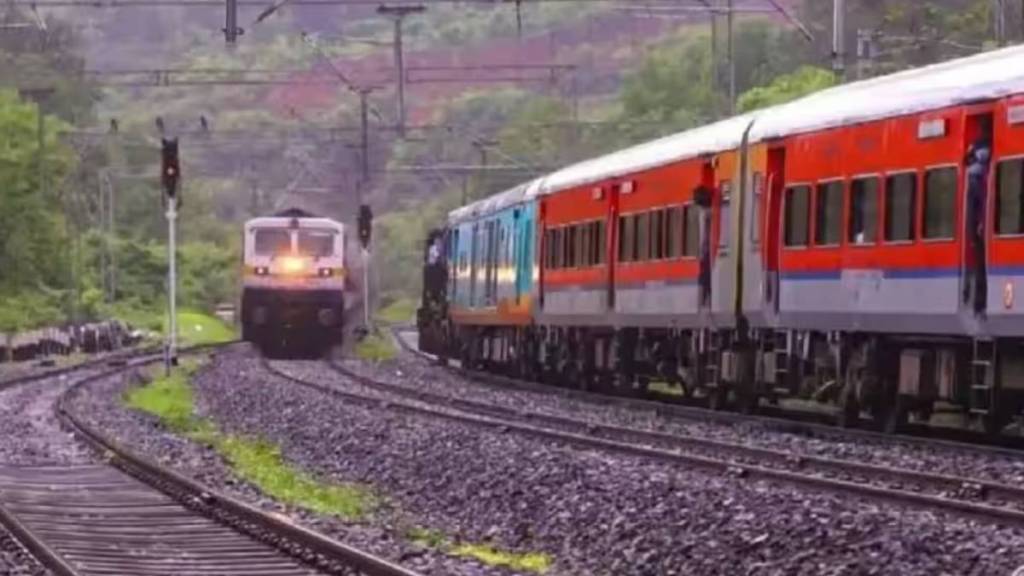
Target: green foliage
(523,561)
(195,328)
(787,87)
(401,311)
(257,461)
(376,348)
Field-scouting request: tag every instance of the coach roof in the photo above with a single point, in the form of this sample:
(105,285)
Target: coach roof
(985,76)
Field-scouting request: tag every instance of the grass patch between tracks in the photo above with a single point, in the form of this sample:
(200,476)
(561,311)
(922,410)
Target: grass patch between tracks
(376,348)
(253,460)
(401,311)
(535,562)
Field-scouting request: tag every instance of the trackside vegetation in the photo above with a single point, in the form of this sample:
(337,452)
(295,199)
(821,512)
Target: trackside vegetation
(534,562)
(252,459)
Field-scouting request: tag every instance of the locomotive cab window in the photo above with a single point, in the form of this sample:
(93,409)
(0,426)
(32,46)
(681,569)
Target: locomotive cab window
(900,207)
(1010,200)
(272,241)
(828,214)
(863,225)
(798,210)
(316,243)
(940,203)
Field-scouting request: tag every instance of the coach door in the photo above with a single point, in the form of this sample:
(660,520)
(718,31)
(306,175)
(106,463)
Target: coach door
(979,147)
(773,223)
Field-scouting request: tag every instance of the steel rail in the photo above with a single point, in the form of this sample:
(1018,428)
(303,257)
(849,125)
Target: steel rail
(250,524)
(759,463)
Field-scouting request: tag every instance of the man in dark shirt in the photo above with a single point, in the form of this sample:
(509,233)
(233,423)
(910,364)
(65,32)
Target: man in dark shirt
(977,161)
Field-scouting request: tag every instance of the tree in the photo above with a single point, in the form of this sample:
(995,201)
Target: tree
(787,87)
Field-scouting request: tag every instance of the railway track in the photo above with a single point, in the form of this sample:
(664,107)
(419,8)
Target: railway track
(983,500)
(806,423)
(129,515)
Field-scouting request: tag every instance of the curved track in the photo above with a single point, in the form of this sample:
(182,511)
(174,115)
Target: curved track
(988,501)
(131,516)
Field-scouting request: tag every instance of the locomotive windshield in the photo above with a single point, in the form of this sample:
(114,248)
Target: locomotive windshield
(316,243)
(272,241)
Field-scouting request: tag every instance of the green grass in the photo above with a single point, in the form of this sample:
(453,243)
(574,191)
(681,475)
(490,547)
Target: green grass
(196,328)
(535,562)
(254,460)
(400,311)
(376,348)
(523,561)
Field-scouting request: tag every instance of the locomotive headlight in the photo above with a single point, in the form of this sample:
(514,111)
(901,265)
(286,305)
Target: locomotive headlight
(292,265)
(262,271)
(326,272)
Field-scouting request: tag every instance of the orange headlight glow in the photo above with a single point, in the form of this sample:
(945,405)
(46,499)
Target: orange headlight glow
(292,265)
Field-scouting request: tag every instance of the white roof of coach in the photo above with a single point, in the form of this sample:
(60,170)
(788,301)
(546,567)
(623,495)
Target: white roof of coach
(981,77)
(716,137)
(491,204)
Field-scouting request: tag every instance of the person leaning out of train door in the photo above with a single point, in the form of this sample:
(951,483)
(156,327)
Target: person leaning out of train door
(977,162)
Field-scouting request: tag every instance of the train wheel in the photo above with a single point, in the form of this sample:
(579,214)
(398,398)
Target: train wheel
(718,398)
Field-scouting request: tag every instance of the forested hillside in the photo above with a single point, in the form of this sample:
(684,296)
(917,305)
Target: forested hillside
(252,148)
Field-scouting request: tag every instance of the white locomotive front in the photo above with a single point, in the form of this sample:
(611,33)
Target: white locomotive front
(294,281)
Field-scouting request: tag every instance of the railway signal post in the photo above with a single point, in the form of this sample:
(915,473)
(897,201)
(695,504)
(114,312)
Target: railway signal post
(365,224)
(170,173)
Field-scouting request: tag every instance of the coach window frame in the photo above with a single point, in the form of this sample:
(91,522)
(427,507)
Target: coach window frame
(786,196)
(725,216)
(915,201)
(757,182)
(691,210)
(1018,159)
(923,209)
(879,179)
(819,188)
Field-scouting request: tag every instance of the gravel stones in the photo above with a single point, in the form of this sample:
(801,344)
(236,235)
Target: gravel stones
(978,464)
(595,513)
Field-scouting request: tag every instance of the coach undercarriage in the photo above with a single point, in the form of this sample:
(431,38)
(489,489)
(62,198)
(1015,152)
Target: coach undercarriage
(889,379)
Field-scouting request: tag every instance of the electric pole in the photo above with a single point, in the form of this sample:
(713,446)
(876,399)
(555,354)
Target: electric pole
(999,21)
(399,13)
(839,40)
(730,17)
(231,29)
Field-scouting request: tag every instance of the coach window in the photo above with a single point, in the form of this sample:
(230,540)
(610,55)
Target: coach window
(725,214)
(675,232)
(691,230)
(940,203)
(900,207)
(642,248)
(602,242)
(755,219)
(657,249)
(583,245)
(1010,203)
(626,238)
(864,210)
(798,210)
(828,214)
(556,248)
(571,244)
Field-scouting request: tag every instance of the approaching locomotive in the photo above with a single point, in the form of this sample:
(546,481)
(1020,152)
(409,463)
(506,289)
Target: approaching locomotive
(863,245)
(294,281)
